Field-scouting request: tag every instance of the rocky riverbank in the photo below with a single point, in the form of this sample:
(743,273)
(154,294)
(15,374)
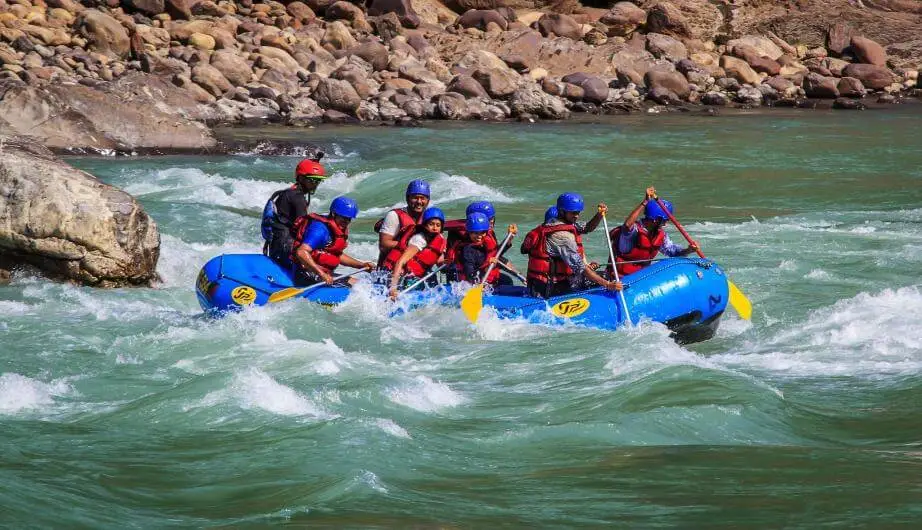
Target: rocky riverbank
(106,75)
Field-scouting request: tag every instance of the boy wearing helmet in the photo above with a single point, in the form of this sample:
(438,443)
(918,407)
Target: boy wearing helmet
(320,242)
(399,220)
(287,205)
(636,243)
(457,235)
(473,254)
(418,250)
(556,260)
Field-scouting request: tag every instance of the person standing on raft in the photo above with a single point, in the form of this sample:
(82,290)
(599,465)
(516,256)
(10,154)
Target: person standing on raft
(320,242)
(417,251)
(556,260)
(287,205)
(636,243)
(399,220)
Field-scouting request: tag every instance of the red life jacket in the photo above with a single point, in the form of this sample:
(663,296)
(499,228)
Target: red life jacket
(541,266)
(424,259)
(645,248)
(406,221)
(457,234)
(489,246)
(328,256)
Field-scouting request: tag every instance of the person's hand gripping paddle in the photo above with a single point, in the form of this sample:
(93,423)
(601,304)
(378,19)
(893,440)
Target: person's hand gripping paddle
(472,303)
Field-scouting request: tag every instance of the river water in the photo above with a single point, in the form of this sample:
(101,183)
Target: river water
(126,408)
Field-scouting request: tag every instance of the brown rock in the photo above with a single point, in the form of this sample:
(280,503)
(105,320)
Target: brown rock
(868,51)
(71,6)
(337,94)
(300,12)
(211,79)
(399,83)
(871,76)
(761,46)
(467,86)
(338,37)
(838,37)
(850,87)
(342,10)
(757,62)
(373,52)
(408,17)
(740,70)
(558,25)
(479,18)
(104,33)
(232,66)
(148,7)
(664,17)
(178,9)
(666,47)
(672,81)
(202,41)
(623,19)
(818,86)
(497,83)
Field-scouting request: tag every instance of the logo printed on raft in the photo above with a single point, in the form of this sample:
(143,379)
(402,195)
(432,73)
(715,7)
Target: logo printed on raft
(243,295)
(571,308)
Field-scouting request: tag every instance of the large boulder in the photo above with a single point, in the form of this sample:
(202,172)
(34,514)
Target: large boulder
(467,86)
(666,47)
(871,76)
(558,25)
(103,33)
(531,100)
(479,18)
(740,70)
(763,47)
(211,79)
(68,224)
(755,59)
(671,81)
(337,94)
(148,7)
(408,16)
(868,51)
(232,66)
(595,90)
(664,17)
(137,112)
(818,86)
(623,19)
(838,37)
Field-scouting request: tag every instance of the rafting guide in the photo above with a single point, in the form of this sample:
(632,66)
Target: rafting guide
(287,205)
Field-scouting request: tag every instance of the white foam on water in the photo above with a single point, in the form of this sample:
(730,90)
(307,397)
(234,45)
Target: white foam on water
(254,389)
(193,186)
(449,188)
(372,481)
(180,261)
(871,335)
(490,326)
(425,395)
(19,393)
(12,307)
(390,427)
(787,265)
(818,274)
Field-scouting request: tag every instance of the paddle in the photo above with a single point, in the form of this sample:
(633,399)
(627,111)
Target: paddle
(290,292)
(738,300)
(515,273)
(424,278)
(614,268)
(472,303)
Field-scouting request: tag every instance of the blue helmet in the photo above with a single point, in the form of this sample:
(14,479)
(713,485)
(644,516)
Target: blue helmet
(477,222)
(433,213)
(345,207)
(570,202)
(418,187)
(484,207)
(550,214)
(654,212)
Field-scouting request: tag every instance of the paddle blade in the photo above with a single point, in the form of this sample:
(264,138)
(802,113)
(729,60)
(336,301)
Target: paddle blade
(740,303)
(472,303)
(285,294)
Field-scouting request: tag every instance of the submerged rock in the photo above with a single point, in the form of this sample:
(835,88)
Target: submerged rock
(68,224)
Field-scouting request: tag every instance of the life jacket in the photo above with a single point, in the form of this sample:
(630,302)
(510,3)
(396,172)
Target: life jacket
(327,257)
(541,266)
(490,248)
(270,220)
(645,248)
(457,234)
(424,260)
(406,221)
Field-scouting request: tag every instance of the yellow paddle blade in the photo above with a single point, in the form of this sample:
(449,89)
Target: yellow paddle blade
(472,303)
(740,303)
(285,294)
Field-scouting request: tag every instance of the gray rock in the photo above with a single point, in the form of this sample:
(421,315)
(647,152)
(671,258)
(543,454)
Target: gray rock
(337,94)
(530,99)
(818,86)
(451,106)
(666,47)
(748,95)
(70,225)
(716,99)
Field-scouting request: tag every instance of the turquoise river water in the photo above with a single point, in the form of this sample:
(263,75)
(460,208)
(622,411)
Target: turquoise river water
(126,408)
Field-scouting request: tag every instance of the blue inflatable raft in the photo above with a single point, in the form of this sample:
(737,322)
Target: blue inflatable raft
(688,295)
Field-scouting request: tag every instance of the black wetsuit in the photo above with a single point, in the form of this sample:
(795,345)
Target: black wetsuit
(289,205)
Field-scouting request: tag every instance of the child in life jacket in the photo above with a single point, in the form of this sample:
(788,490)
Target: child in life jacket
(418,250)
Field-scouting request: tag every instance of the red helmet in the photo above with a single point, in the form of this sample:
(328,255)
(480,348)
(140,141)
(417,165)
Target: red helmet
(310,168)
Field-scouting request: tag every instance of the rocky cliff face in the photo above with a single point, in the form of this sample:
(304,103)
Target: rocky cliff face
(68,224)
